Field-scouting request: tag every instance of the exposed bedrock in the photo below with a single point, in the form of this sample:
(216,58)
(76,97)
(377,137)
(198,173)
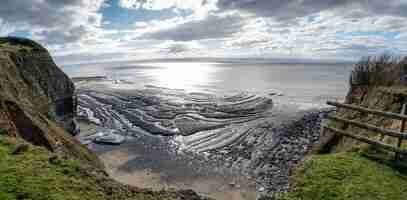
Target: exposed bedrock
(37,99)
(244,134)
(272,150)
(35,76)
(170,113)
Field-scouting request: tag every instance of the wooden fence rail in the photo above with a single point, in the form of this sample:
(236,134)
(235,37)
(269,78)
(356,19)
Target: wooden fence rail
(369,127)
(398,134)
(368,141)
(367,110)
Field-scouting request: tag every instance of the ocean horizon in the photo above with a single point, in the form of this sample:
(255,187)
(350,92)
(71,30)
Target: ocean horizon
(308,84)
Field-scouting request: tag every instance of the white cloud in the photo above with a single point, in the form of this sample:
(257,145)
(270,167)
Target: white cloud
(326,33)
(199,7)
(6,28)
(314,28)
(163,4)
(160,4)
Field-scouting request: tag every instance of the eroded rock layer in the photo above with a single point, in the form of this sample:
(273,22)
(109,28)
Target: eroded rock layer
(206,121)
(241,134)
(37,99)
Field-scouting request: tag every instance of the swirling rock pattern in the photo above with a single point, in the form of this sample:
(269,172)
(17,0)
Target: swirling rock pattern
(242,134)
(204,120)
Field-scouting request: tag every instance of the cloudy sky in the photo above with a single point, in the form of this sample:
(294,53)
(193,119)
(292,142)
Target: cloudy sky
(97,30)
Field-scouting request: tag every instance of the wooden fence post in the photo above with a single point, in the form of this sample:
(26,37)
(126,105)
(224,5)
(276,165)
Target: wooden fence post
(403,124)
(400,135)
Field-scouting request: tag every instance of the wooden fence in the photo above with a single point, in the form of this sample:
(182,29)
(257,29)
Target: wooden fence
(393,133)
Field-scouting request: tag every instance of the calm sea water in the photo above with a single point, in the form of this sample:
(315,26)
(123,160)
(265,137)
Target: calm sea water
(307,84)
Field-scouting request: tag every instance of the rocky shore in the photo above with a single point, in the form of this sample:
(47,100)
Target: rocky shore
(273,149)
(247,139)
(39,157)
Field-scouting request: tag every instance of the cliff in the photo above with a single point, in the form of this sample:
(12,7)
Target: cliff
(348,169)
(383,98)
(39,158)
(377,83)
(36,99)
(29,73)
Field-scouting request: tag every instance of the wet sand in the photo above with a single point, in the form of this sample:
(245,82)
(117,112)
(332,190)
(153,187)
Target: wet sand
(197,122)
(223,146)
(126,164)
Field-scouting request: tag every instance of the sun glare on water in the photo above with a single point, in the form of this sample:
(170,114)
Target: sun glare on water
(178,75)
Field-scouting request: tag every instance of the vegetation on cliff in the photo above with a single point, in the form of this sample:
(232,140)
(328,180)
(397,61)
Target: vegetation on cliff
(347,176)
(37,100)
(39,158)
(35,173)
(20,44)
(383,70)
(354,170)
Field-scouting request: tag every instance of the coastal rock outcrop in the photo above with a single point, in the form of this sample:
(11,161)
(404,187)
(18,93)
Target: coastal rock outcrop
(37,100)
(242,137)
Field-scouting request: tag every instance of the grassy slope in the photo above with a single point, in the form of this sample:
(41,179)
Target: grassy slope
(33,175)
(19,44)
(347,176)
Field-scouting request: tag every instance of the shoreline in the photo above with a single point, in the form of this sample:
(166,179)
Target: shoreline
(147,162)
(261,158)
(127,165)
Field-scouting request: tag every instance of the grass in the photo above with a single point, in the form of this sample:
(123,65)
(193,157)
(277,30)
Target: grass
(22,44)
(383,70)
(346,176)
(31,175)
(37,174)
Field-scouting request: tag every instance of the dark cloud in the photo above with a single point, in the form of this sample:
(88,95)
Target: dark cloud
(57,19)
(389,7)
(56,36)
(211,27)
(176,48)
(288,9)
(283,9)
(34,13)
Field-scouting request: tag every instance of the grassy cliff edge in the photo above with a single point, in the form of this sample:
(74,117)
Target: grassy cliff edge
(349,176)
(39,158)
(32,172)
(349,169)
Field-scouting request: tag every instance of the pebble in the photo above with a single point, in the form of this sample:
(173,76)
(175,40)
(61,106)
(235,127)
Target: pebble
(273,148)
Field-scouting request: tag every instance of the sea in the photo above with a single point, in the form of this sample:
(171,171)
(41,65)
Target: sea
(207,107)
(304,84)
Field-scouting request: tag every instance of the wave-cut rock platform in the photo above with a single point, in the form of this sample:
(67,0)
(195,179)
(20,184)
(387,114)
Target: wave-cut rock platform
(241,134)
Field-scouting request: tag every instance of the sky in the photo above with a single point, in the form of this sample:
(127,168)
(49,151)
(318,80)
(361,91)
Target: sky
(80,31)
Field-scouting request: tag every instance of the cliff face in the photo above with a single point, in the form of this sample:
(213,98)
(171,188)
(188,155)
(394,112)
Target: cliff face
(37,99)
(37,106)
(384,98)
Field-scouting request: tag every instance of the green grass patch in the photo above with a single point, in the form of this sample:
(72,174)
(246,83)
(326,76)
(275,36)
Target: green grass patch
(37,174)
(31,175)
(347,176)
(20,43)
